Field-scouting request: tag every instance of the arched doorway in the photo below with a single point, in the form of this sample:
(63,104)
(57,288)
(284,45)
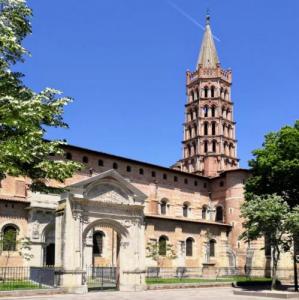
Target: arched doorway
(49,246)
(101,254)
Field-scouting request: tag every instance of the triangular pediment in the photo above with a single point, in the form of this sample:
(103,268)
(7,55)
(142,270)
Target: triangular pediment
(108,186)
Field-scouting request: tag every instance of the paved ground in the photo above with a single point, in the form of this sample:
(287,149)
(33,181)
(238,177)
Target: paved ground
(190,294)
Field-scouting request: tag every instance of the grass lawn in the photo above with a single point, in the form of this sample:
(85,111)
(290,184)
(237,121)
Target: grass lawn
(17,285)
(203,280)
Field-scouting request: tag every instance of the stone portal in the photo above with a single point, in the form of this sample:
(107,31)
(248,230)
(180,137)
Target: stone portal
(106,200)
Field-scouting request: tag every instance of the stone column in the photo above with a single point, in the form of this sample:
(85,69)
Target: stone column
(71,275)
(132,258)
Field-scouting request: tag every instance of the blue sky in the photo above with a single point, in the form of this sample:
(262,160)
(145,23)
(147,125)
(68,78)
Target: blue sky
(124,63)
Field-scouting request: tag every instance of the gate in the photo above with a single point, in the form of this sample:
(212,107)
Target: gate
(102,278)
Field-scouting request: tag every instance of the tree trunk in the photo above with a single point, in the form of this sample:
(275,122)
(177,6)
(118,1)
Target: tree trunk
(295,265)
(275,256)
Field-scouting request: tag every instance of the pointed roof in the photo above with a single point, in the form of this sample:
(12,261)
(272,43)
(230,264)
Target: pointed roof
(208,57)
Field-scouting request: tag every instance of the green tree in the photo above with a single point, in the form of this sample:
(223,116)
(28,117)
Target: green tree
(158,251)
(268,216)
(24,114)
(275,169)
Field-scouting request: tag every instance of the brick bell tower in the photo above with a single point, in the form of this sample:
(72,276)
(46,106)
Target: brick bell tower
(209,145)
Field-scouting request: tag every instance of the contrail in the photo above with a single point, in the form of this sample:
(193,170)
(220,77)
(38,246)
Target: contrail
(186,15)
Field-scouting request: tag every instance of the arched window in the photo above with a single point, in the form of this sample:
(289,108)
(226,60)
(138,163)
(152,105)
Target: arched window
(206,92)
(163,245)
(196,94)
(100,163)
(214,146)
(204,211)
(231,150)
(206,127)
(186,209)
(189,246)
(141,171)
(189,133)
(206,111)
(221,92)
(85,159)
(225,147)
(212,248)
(115,166)
(213,109)
(9,234)
(195,130)
(219,214)
(213,128)
(97,248)
(68,155)
(205,146)
(228,114)
(189,150)
(225,94)
(129,169)
(212,91)
(163,206)
(192,96)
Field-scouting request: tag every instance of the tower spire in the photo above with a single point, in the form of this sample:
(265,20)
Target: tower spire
(209,142)
(208,57)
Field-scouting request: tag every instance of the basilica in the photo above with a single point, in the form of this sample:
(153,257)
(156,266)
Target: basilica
(115,207)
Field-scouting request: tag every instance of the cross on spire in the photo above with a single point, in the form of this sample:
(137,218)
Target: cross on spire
(208,57)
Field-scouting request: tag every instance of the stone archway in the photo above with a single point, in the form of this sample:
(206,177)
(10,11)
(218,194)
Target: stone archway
(107,200)
(108,274)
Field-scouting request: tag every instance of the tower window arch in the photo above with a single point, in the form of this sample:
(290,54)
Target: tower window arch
(97,248)
(212,91)
(219,214)
(205,146)
(189,150)
(192,95)
(228,114)
(214,146)
(189,246)
(9,234)
(189,132)
(204,212)
(196,94)
(213,109)
(225,94)
(221,92)
(213,128)
(205,128)
(195,130)
(225,146)
(206,111)
(163,245)
(206,91)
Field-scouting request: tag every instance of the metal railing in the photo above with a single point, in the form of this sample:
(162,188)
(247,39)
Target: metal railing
(102,277)
(215,273)
(12,278)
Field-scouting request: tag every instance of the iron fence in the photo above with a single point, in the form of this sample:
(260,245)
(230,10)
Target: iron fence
(102,277)
(12,278)
(215,273)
